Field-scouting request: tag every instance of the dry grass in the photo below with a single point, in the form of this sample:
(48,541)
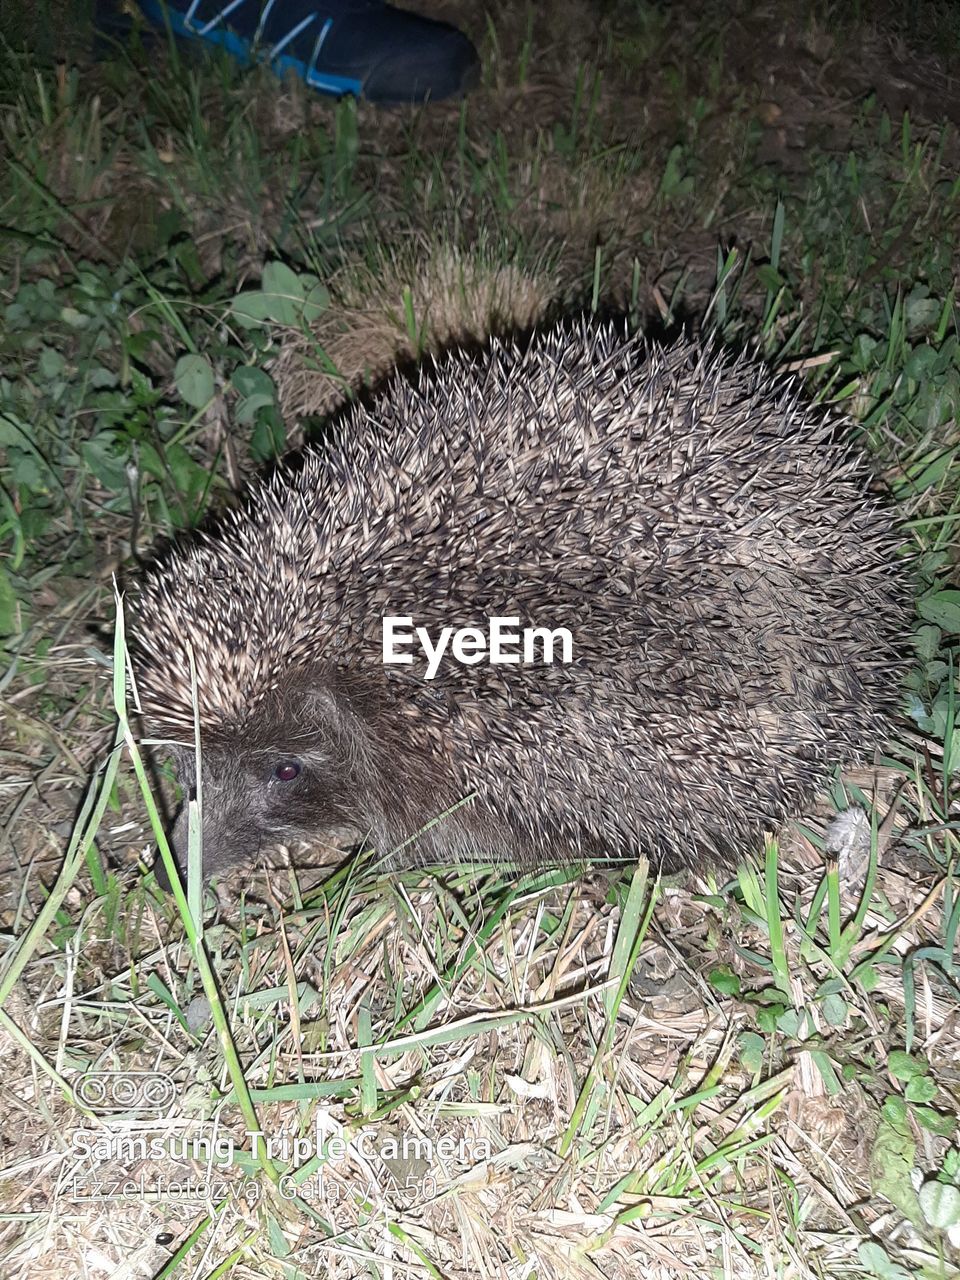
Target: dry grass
(508,1028)
(402,307)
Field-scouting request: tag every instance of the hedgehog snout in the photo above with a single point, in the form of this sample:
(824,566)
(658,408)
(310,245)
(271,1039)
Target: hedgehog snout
(232,826)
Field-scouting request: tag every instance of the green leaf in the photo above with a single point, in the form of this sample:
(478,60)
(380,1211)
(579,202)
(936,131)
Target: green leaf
(895,1111)
(767,1019)
(27,472)
(877,1261)
(105,461)
(190,478)
(14,432)
(248,380)
(99,377)
(922,313)
(869,978)
(940,1203)
(317,301)
(279,1245)
(891,1164)
(725,981)
(835,1010)
(943,1126)
(752,1049)
(51,363)
(770,278)
(862,351)
(247,409)
(943,609)
(904,1066)
(257,391)
(283,280)
(920,1089)
(827,1072)
(281,299)
(284,290)
(789,1023)
(674,182)
(926,641)
(252,308)
(269,435)
(193,377)
(9,610)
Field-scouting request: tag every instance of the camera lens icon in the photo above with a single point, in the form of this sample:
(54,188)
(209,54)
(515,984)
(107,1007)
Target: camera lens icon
(137,1092)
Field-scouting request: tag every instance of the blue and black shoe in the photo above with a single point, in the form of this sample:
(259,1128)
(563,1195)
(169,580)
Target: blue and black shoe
(360,47)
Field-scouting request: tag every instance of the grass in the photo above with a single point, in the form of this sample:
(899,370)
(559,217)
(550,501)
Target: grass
(632,1076)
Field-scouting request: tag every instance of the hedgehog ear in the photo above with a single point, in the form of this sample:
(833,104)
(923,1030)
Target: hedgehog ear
(325,708)
(331,710)
(322,705)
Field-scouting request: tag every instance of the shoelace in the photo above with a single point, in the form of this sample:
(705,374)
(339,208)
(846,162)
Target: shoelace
(203,29)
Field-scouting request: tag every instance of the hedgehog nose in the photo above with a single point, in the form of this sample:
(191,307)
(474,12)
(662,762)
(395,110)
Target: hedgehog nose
(177,839)
(160,870)
(160,873)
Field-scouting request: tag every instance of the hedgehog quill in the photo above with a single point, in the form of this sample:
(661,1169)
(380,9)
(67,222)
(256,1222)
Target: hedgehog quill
(733,594)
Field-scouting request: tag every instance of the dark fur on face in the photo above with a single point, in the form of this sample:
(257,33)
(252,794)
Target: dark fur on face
(307,760)
(312,759)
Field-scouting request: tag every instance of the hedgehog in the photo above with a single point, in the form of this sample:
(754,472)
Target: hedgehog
(715,598)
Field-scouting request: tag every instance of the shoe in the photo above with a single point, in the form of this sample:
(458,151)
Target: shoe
(360,47)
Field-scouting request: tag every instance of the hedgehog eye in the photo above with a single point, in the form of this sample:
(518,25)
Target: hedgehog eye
(287,771)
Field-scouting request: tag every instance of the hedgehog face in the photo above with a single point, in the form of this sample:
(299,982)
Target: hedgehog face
(258,797)
(296,767)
